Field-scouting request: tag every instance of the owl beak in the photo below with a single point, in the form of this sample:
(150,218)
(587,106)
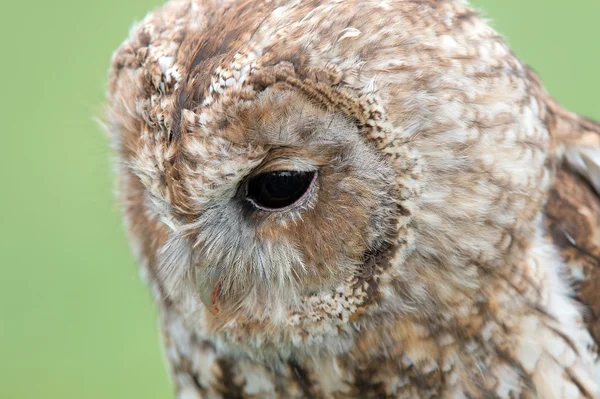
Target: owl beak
(210,291)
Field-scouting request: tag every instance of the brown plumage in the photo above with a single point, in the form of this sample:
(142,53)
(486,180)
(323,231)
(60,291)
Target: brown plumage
(337,199)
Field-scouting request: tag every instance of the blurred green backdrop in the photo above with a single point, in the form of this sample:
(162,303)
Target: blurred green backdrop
(75,321)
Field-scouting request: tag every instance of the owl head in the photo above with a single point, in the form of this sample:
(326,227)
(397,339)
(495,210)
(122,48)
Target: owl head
(290,169)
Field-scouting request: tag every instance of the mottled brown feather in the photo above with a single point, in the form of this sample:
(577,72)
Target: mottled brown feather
(573,221)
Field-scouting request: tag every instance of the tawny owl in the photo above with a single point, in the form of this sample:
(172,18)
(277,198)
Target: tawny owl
(343,199)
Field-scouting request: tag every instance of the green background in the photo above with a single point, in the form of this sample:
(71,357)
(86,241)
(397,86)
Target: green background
(75,321)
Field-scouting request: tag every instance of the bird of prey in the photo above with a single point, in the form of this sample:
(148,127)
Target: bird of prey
(356,199)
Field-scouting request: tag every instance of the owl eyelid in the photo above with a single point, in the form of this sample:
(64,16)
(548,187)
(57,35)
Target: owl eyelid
(286,163)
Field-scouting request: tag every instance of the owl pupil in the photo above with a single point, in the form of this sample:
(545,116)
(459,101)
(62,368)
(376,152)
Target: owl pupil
(276,190)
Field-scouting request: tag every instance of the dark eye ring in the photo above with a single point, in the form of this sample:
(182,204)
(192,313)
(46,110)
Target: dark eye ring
(279,190)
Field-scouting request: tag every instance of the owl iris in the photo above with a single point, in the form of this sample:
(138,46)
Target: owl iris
(278,190)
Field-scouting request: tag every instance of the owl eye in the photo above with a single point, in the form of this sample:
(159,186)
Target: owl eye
(278,190)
